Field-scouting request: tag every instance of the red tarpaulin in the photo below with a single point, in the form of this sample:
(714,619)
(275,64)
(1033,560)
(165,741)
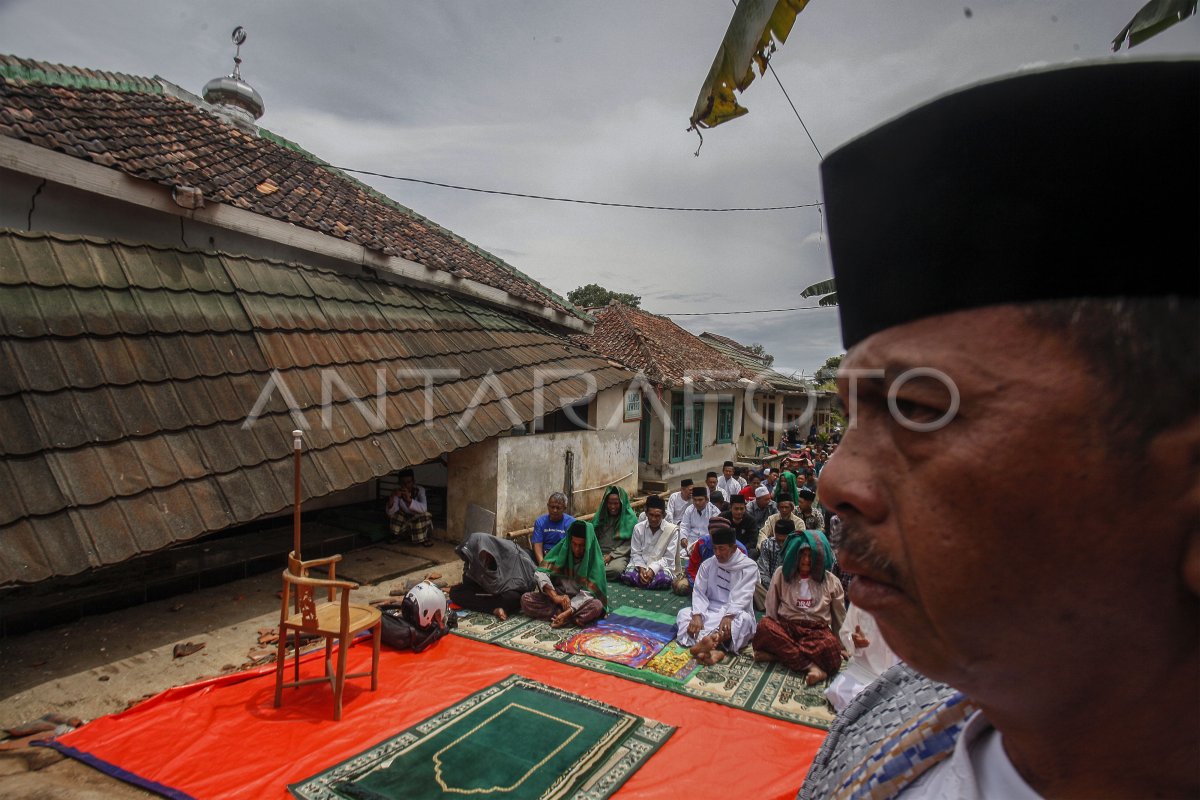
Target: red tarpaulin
(223,738)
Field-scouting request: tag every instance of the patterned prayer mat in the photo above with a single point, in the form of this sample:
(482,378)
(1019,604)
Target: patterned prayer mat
(515,739)
(738,681)
(625,636)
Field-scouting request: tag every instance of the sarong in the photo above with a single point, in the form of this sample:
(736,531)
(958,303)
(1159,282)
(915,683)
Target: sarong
(417,527)
(796,645)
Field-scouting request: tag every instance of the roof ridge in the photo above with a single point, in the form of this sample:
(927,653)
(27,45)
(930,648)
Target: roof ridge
(33,71)
(40,72)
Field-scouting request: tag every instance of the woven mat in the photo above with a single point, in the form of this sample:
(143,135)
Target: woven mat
(515,739)
(738,681)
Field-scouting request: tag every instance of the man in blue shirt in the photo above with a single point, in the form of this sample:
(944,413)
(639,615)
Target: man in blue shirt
(550,527)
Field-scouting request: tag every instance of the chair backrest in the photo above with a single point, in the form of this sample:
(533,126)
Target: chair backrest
(303,589)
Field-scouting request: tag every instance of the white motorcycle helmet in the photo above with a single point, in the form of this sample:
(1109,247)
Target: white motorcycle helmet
(425,605)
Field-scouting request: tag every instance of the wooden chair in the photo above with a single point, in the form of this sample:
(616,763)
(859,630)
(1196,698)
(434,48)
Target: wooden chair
(334,619)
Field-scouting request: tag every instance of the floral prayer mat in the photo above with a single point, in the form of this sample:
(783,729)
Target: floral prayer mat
(738,681)
(623,637)
(515,739)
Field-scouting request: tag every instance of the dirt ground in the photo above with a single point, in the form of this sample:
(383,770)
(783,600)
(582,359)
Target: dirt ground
(102,664)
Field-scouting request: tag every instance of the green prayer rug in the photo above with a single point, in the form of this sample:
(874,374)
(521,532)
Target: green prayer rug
(738,681)
(515,739)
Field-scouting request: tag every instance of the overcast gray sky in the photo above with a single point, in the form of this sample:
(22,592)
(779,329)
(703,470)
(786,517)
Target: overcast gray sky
(591,100)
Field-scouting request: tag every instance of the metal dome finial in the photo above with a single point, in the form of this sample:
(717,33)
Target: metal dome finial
(231,96)
(239,38)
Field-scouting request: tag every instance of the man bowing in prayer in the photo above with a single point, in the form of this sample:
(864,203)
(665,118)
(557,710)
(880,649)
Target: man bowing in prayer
(721,616)
(571,586)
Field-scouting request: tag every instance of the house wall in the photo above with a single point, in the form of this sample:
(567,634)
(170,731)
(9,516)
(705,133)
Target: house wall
(514,475)
(471,478)
(661,468)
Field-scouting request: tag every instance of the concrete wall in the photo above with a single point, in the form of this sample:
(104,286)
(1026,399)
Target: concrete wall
(534,466)
(661,468)
(471,479)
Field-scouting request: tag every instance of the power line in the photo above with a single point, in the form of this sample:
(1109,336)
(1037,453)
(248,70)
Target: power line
(574,200)
(794,111)
(789,99)
(758,311)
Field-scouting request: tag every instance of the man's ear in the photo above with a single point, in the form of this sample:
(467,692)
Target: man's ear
(1176,452)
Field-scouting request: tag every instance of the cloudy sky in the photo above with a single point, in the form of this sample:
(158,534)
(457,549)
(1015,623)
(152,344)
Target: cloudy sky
(591,100)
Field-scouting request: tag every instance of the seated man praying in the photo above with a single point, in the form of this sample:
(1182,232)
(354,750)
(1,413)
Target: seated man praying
(805,609)
(614,522)
(408,511)
(571,586)
(702,550)
(770,557)
(551,527)
(721,616)
(654,552)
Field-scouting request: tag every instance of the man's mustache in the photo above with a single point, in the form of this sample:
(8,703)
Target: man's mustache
(862,548)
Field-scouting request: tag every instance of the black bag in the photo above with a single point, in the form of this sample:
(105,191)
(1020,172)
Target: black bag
(400,634)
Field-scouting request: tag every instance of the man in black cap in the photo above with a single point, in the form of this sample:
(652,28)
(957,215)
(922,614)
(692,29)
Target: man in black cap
(721,616)
(810,519)
(679,502)
(1017,271)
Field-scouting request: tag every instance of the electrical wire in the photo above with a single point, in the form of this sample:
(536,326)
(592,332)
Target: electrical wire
(756,311)
(574,200)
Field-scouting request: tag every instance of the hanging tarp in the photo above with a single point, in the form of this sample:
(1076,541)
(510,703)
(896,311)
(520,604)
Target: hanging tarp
(757,28)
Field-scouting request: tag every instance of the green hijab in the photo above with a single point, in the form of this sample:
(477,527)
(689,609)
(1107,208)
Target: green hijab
(588,572)
(822,554)
(626,519)
(785,488)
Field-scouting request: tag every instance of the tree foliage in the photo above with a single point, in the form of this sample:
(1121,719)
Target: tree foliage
(827,372)
(760,351)
(594,295)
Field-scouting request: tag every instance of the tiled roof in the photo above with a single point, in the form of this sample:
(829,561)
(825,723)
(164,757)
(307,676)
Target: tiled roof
(129,370)
(745,356)
(657,347)
(130,124)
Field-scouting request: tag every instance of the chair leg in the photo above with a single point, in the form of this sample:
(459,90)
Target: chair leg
(378,638)
(280,655)
(296,656)
(329,659)
(339,680)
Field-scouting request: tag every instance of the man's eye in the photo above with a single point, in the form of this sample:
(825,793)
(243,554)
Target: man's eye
(916,411)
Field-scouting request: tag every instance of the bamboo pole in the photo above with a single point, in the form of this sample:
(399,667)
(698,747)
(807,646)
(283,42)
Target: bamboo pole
(636,505)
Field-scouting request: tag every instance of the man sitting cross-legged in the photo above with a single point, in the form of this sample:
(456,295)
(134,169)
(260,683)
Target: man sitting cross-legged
(654,552)
(721,616)
(805,609)
(571,586)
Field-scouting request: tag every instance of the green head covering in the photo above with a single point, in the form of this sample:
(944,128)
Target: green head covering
(588,572)
(822,554)
(626,519)
(786,489)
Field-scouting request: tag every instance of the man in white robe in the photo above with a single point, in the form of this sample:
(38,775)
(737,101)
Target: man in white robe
(679,502)
(654,550)
(721,616)
(695,520)
(729,484)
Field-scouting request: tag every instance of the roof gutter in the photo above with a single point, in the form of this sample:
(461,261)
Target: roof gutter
(40,162)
